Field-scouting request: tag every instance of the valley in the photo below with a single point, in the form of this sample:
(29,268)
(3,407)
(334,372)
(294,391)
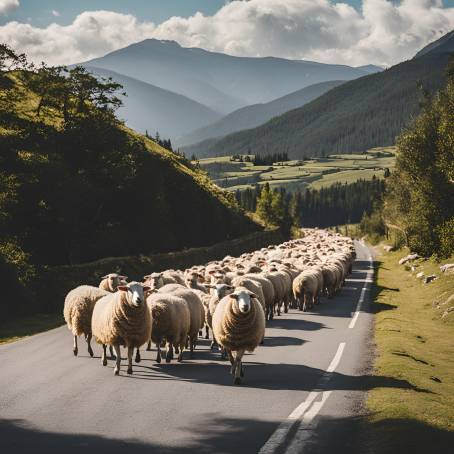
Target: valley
(313,173)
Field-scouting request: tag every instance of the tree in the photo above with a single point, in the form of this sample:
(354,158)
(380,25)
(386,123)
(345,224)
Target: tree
(264,209)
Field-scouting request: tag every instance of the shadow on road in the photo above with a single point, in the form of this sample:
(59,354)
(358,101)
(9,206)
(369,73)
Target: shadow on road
(214,435)
(289,377)
(211,434)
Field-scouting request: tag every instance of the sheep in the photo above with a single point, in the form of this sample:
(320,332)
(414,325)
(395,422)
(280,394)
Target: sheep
(305,289)
(193,281)
(170,323)
(239,326)
(158,280)
(78,310)
(219,292)
(268,293)
(111,281)
(122,318)
(279,289)
(196,310)
(253,286)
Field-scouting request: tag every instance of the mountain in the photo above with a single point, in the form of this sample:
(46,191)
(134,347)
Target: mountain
(222,82)
(360,114)
(147,107)
(370,69)
(255,115)
(442,45)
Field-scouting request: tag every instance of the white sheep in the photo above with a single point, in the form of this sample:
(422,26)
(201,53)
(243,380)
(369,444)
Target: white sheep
(78,310)
(122,318)
(239,326)
(170,323)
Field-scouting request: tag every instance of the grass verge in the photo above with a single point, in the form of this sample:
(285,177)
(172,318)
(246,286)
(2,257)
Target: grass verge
(415,345)
(13,330)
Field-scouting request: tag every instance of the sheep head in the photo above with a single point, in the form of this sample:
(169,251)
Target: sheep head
(135,293)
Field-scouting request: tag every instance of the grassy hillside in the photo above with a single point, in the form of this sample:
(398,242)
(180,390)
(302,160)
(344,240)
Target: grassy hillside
(255,115)
(358,115)
(147,107)
(77,185)
(293,175)
(413,334)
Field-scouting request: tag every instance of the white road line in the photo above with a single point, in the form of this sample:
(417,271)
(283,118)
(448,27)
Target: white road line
(307,410)
(362,296)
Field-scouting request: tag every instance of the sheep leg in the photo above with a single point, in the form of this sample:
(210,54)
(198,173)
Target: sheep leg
(111,351)
(90,350)
(104,355)
(130,353)
(180,355)
(75,349)
(207,332)
(169,354)
(191,346)
(232,362)
(223,353)
(149,346)
(238,367)
(117,351)
(138,358)
(200,333)
(158,347)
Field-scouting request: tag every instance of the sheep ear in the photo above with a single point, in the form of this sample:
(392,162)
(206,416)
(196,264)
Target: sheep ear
(146,289)
(147,276)
(252,295)
(105,277)
(125,278)
(229,287)
(123,288)
(209,285)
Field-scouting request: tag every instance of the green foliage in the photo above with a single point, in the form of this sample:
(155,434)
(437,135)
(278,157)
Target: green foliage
(420,196)
(337,204)
(373,226)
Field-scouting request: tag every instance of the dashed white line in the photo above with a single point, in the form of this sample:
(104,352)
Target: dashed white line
(306,411)
(362,296)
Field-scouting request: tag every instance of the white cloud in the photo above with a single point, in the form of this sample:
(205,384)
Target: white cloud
(55,13)
(91,35)
(383,32)
(6,6)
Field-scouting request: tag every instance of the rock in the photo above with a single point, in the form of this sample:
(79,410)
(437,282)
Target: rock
(429,279)
(388,248)
(408,258)
(448,268)
(435,379)
(420,275)
(447,312)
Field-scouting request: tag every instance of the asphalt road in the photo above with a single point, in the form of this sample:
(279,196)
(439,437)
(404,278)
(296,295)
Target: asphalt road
(301,393)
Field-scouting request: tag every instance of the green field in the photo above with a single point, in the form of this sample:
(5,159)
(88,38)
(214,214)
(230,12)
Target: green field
(294,175)
(413,335)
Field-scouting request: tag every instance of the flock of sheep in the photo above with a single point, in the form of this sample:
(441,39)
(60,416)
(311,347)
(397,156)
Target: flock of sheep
(232,297)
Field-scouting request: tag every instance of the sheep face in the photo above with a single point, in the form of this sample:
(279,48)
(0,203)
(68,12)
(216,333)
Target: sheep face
(243,297)
(154,280)
(135,293)
(115,280)
(221,290)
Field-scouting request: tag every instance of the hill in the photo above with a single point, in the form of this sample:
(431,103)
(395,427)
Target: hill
(358,115)
(77,185)
(443,45)
(147,107)
(252,116)
(222,82)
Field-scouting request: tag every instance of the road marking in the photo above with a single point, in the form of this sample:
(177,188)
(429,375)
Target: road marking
(306,411)
(362,296)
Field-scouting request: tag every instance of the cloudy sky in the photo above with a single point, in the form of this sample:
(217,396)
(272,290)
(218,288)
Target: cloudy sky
(353,32)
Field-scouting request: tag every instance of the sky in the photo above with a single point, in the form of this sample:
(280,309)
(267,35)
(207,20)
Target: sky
(353,32)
